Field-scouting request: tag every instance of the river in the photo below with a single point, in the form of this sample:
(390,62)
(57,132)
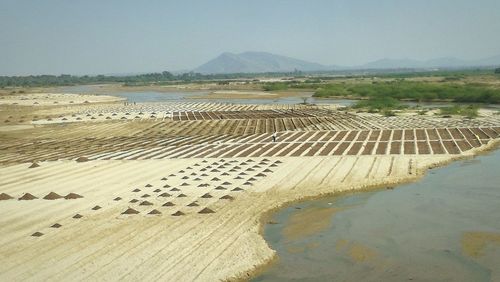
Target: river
(445,227)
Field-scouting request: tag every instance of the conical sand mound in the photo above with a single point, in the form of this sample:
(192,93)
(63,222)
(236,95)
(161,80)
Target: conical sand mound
(82,159)
(130,211)
(168,204)
(71,196)
(117,199)
(56,225)
(237,189)
(178,213)
(164,195)
(227,197)
(193,204)
(4,197)
(207,195)
(52,196)
(154,212)
(77,216)
(37,234)
(146,203)
(96,208)
(33,165)
(27,197)
(206,210)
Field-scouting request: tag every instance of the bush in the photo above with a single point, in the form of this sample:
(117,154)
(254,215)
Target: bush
(467,111)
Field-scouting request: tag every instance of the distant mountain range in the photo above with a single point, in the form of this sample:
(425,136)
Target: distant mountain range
(259,62)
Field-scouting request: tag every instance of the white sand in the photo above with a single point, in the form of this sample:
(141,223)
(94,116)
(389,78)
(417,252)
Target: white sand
(104,245)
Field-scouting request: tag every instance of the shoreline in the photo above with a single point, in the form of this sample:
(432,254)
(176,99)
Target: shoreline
(422,172)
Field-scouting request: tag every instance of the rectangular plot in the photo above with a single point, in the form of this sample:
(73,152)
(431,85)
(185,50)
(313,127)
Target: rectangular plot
(341,148)
(443,133)
(305,136)
(351,136)
(386,134)
(277,148)
(237,151)
(288,149)
(398,134)
(316,147)
(474,142)
(251,150)
(374,135)
(409,135)
(328,136)
(463,145)
(432,133)
(356,146)
(420,134)
(318,136)
(340,135)
(381,148)
(423,148)
(437,148)
(409,148)
(467,133)
(301,149)
(490,132)
(480,133)
(368,149)
(451,147)
(395,148)
(328,148)
(456,133)
(363,135)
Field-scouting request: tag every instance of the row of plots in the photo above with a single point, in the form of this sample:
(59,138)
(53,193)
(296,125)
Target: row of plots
(321,143)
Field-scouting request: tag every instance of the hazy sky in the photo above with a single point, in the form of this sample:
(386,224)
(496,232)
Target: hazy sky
(90,37)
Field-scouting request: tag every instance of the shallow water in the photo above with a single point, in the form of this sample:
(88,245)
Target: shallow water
(445,227)
(185,96)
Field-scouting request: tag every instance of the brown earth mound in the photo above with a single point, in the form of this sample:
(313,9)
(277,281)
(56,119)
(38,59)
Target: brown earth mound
(164,195)
(130,211)
(154,212)
(134,201)
(178,213)
(77,216)
(136,190)
(96,208)
(157,190)
(149,185)
(227,197)
(206,210)
(56,225)
(181,196)
(237,189)
(220,188)
(193,204)
(33,165)
(82,159)
(117,199)
(72,196)
(146,203)
(52,196)
(207,195)
(27,197)
(168,204)
(4,197)
(37,234)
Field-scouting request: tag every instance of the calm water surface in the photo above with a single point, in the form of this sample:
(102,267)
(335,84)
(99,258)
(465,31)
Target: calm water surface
(445,227)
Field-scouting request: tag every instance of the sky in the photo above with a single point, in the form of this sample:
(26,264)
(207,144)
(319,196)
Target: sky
(122,36)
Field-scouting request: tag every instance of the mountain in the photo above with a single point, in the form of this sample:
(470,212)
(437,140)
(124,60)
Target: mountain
(256,62)
(444,62)
(259,62)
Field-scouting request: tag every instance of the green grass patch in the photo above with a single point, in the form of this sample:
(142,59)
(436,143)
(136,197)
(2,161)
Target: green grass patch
(467,111)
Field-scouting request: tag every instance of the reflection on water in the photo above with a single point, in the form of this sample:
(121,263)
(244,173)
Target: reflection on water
(444,228)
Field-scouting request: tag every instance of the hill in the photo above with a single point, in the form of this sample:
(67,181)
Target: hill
(256,62)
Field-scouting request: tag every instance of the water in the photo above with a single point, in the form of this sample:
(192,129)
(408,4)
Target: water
(445,227)
(184,96)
